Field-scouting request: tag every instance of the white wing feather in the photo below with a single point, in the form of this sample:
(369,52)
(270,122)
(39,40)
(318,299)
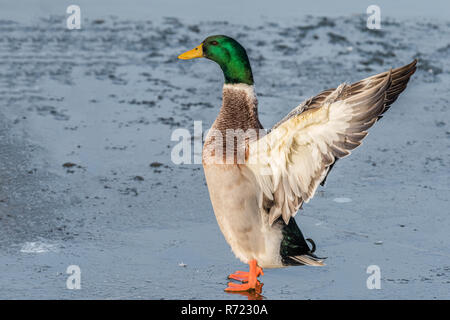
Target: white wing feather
(290,162)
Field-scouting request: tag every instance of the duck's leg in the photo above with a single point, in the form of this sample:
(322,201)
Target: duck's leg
(249,279)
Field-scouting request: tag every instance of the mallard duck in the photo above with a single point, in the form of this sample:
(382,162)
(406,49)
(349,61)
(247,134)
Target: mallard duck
(258,180)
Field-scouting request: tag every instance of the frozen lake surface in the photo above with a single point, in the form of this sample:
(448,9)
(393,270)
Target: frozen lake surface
(86,177)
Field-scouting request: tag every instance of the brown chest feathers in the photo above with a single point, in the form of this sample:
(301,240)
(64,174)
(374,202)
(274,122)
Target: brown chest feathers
(236,125)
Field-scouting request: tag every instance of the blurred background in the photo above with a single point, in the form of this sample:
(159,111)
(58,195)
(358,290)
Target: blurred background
(230,10)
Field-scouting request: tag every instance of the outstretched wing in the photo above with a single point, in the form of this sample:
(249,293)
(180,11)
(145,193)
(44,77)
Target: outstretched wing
(292,160)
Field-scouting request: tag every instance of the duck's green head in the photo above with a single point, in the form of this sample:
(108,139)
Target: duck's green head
(228,54)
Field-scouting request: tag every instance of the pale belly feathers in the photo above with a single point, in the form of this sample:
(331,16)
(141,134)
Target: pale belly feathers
(241,221)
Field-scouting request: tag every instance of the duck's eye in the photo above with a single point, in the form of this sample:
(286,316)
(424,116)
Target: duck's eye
(214,43)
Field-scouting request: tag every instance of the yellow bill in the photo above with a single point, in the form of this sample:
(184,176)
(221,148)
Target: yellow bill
(197,52)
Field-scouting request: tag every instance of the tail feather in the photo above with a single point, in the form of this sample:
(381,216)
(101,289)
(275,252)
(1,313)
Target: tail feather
(308,260)
(294,248)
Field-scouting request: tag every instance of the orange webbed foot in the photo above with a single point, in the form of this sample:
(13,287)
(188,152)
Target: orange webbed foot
(244,275)
(239,275)
(249,279)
